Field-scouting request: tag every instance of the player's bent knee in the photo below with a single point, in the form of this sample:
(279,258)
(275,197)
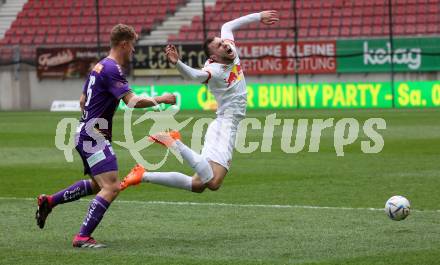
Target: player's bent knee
(113,189)
(198,187)
(214,185)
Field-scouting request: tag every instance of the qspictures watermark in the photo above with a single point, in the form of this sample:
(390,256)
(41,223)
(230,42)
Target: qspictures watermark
(296,135)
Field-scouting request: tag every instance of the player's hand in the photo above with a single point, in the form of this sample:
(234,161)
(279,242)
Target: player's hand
(269,17)
(168,99)
(172,54)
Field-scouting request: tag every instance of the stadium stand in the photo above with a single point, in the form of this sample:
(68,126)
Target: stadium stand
(73,22)
(172,25)
(321,19)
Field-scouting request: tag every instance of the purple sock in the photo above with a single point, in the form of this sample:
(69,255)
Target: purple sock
(97,209)
(79,189)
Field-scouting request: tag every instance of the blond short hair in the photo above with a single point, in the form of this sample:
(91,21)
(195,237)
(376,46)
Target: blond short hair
(121,33)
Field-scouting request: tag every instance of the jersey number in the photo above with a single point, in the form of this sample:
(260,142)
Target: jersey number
(89,94)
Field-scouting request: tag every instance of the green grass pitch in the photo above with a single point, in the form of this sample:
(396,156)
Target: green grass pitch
(240,223)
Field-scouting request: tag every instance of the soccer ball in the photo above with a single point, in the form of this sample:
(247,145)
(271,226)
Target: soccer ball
(397,208)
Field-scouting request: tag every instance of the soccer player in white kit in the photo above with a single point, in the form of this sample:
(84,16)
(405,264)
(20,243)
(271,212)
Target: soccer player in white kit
(224,76)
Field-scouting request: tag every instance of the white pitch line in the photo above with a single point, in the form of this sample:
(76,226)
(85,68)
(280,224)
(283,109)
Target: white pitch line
(232,205)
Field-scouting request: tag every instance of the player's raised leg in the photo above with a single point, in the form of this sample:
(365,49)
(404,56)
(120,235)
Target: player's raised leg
(209,174)
(176,179)
(46,203)
(109,184)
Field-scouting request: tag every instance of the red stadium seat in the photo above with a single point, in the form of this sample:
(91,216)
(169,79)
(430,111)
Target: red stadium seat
(313,32)
(302,33)
(366,30)
(355,31)
(368,20)
(421,29)
(282,34)
(261,34)
(398,29)
(75,22)
(400,10)
(27,40)
(181,36)
(324,22)
(199,36)
(433,28)
(399,20)
(346,21)
(314,23)
(30,30)
(323,32)
(52,31)
(410,19)
(433,8)
(60,39)
(252,35)
(345,31)
(32,13)
(12,32)
(191,35)
(41,31)
(410,29)
(13,40)
(433,19)
(43,13)
(88,38)
(51,39)
(65,12)
(35,22)
(334,32)
(39,40)
(377,31)
(240,35)
(3,42)
(63,30)
(77,12)
(172,38)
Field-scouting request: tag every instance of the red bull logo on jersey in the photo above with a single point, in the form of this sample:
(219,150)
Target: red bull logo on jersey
(234,75)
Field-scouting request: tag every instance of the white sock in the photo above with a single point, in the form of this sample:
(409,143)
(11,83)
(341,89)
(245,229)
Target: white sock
(196,161)
(169,179)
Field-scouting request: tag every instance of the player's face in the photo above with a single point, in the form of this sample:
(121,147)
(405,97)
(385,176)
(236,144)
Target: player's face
(128,50)
(221,50)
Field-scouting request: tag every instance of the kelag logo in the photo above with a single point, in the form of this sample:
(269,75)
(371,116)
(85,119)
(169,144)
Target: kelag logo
(377,55)
(410,57)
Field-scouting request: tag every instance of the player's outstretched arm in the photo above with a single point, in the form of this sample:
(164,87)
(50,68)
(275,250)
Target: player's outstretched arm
(185,70)
(268,17)
(133,101)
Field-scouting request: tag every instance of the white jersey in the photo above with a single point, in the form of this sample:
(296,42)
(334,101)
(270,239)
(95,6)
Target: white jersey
(226,82)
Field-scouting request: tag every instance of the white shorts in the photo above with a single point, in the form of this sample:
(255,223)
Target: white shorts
(220,141)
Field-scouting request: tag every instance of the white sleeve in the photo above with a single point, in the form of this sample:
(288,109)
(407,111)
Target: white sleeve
(191,73)
(228,27)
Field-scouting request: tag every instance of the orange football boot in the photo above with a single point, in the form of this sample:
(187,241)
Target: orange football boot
(134,177)
(165,138)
